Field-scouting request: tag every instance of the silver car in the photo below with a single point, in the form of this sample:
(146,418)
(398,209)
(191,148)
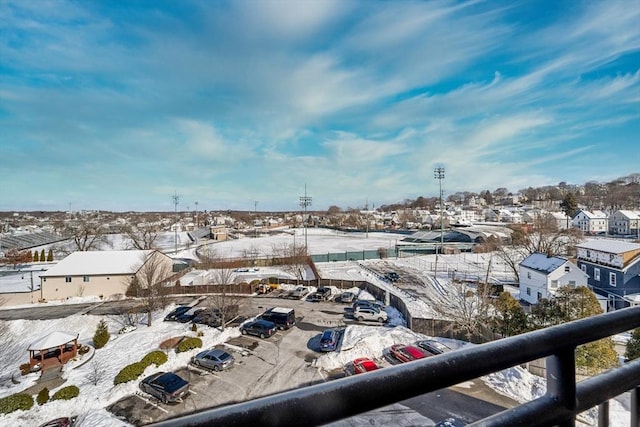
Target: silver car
(369,313)
(213,359)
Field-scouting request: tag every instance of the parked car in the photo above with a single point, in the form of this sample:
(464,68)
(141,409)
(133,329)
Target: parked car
(215,359)
(369,313)
(260,328)
(165,386)
(60,422)
(450,422)
(363,365)
(172,316)
(322,294)
(299,292)
(329,340)
(407,353)
(209,317)
(188,315)
(392,276)
(347,297)
(283,317)
(433,346)
(367,303)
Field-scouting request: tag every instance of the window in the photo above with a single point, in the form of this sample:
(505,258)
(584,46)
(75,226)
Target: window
(572,283)
(67,279)
(567,269)
(596,274)
(583,267)
(588,254)
(554,284)
(539,296)
(612,279)
(528,275)
(85,279)
(529,291)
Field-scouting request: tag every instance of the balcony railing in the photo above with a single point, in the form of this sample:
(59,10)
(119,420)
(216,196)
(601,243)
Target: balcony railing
(564,399)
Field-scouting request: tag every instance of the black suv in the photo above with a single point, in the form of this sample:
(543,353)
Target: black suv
(284,318)
(165,386)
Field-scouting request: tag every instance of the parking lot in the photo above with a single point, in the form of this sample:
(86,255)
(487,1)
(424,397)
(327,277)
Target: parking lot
(262,367)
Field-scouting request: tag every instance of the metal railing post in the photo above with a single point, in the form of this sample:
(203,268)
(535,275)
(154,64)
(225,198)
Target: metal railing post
(561,381)
(635,407)
(603,414)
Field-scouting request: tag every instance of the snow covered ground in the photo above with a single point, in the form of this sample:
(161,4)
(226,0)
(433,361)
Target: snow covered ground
(358,341)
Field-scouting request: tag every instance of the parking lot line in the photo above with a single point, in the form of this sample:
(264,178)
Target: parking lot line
(151,403)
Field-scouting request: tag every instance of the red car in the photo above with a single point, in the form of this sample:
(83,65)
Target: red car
(407,353)
(364,364)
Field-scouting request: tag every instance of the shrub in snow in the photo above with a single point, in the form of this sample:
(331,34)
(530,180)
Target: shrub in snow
(66,393)
(189,344)
(14,402)
(156,357)
(43,396)
(101,337)
(127,329)
(194,327)
(25,369)
(129,373)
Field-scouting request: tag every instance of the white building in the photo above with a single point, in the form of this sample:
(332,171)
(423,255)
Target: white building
(595,222)
(541,276)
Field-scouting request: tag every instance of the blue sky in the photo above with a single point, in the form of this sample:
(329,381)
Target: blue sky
(119,105)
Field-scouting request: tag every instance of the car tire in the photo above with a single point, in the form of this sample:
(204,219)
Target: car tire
(216,368)
(243,331)
(380,319)
(164,399)
(360,318)
(262,335)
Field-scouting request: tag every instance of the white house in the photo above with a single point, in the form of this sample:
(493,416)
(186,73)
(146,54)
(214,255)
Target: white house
(101,273)
(542,275)
(591,222)
(625,222)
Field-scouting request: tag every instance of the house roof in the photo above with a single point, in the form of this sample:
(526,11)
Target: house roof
(543,263)
(629,214)
(93,263)
(53,339)
(594,214)
(609,245)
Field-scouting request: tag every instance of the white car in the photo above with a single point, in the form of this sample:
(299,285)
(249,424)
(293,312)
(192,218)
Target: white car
(369,313)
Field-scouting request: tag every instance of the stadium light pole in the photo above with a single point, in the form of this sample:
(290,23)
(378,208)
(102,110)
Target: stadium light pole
(305,201)
(438,173)
(176,200)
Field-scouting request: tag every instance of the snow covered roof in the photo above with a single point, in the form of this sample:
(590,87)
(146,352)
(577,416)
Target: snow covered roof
(542,262)
(629,214)
(99,263)
(54,339)
(609,245)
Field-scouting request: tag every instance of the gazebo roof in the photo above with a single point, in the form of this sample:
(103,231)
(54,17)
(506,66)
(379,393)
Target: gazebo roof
(53,339)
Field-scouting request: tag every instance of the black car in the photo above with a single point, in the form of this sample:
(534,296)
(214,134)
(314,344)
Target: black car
(433,346)
(284,318)
(260,328)
(173,315)
(165,386)
(209,317)
(189,315)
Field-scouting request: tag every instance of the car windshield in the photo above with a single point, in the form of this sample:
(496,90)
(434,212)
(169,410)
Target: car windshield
(224,356)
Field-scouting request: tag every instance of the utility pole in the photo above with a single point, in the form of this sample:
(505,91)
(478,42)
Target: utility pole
(305,201)
(197,225)
(438,174)
(255,218)
(176,200)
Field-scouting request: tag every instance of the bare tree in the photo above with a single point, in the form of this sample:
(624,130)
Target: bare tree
(468,308)
(97,372)
(148,284)
(294,258)
(143,236)
(222,274)
(87,234)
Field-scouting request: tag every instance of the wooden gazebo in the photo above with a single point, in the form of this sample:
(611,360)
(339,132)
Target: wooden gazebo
(53,349)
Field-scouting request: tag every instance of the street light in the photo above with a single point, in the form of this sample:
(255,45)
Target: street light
(438,173)
(305,201)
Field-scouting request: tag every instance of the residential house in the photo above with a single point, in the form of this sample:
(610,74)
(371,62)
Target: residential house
(613,267)
(542,275)
(101,273)
(625,222)
(595,222)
